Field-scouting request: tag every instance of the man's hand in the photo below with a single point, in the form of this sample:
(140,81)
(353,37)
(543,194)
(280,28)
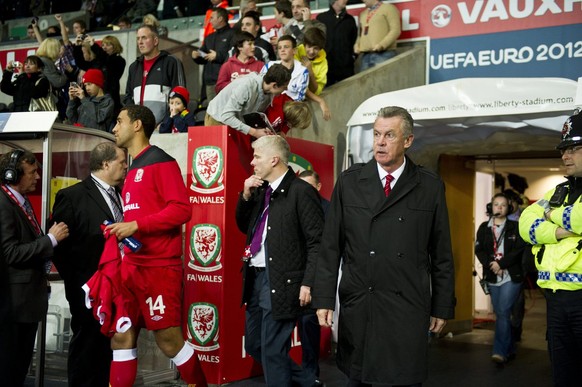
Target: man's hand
(437,324)
(304,295)
(260,132)
(305,13)
(325,317)
(325,110)
(250,185)
(211,56)
(307,64)
(59,230)
(123,229)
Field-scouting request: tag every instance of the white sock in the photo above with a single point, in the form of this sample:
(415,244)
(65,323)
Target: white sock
(184,355)
(124,354)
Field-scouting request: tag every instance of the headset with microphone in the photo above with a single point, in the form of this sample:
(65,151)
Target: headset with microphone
(489,207)
(10,174)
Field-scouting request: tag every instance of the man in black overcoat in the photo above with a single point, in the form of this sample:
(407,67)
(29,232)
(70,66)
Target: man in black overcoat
(388,221)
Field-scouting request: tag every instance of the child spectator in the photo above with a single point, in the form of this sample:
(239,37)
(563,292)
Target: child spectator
(180,117)
(312,55)
(94,110)
(285,115)
(242,63)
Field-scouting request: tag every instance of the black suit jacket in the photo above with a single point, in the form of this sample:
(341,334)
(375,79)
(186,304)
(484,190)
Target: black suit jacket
(24,253)
(83,209)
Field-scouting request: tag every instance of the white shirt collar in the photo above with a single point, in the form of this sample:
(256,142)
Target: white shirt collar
(396,174)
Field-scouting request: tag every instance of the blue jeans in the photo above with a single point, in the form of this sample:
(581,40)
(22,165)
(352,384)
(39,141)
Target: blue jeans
(503,297)
(371,59)
(564,317)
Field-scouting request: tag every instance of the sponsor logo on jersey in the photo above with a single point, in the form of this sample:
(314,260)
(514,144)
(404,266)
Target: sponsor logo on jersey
(203,326)
(207,170)
(205,248)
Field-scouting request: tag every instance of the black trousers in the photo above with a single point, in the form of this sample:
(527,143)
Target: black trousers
(89,352)
(16,352)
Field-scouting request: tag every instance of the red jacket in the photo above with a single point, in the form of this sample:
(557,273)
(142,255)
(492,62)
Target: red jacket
(234,68)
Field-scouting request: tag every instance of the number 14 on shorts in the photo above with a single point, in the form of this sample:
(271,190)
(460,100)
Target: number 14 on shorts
(157,305)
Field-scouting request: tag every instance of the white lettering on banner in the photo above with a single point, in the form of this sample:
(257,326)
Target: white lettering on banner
(207,199)
(483,11)
(525,54)
(406,24)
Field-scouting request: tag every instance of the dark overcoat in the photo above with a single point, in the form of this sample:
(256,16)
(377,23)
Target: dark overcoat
(397,271)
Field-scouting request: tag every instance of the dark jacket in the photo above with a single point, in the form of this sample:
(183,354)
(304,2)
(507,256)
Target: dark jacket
(397,271)
(92,112)
(25,253)
(513,247)
(342,33)
(113,68)
(83,209)
(219,41)
(294,225)
(24,88)
(181,121)
(166,73)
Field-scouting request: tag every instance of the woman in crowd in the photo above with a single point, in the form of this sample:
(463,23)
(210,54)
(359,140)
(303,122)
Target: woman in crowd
(29,84)
(109,54)
(49,52)
(499,248)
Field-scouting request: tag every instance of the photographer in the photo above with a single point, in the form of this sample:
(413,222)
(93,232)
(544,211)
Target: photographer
(499,248)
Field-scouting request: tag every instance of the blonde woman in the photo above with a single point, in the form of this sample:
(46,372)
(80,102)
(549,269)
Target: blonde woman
(151,20)
(49,52)
(109,54)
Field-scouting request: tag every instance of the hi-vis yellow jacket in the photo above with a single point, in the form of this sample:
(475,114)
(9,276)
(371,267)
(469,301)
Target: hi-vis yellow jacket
(559,262)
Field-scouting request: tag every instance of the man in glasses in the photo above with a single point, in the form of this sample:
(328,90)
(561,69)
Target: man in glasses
(553,225)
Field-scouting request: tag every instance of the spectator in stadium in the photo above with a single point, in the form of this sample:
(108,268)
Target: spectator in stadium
(284,16)
(341,36)
(214,51)
(379,30)
(242,63)
(28,84)
(209,27)
(248,94)
(302,20)
(180,118)
(251,22)
(124,23)
(153,21)
(109,53)
(139,8)
(312,55)
(89,106)
(153,75)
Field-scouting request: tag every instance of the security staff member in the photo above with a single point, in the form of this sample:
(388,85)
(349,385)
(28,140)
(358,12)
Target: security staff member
(554,226)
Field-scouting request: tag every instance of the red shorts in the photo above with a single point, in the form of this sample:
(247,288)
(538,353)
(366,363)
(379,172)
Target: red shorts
(156,295)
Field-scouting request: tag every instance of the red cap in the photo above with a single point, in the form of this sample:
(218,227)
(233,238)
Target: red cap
(94,76)
(182,93)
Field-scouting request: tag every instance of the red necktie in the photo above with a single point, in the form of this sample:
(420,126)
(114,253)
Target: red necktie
(387,188)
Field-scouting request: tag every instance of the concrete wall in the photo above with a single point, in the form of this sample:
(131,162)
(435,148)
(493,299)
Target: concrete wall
(403,71)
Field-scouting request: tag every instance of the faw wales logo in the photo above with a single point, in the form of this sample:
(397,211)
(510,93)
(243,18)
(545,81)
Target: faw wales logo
(299,164)
(203,326)
(207,170)
(205,248)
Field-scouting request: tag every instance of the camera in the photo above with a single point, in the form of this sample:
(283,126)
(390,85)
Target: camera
(484,286)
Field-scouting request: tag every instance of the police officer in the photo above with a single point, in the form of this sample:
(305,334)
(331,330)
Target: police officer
(554,226)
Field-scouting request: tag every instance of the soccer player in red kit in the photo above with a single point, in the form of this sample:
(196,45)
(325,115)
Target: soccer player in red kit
(155,206)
